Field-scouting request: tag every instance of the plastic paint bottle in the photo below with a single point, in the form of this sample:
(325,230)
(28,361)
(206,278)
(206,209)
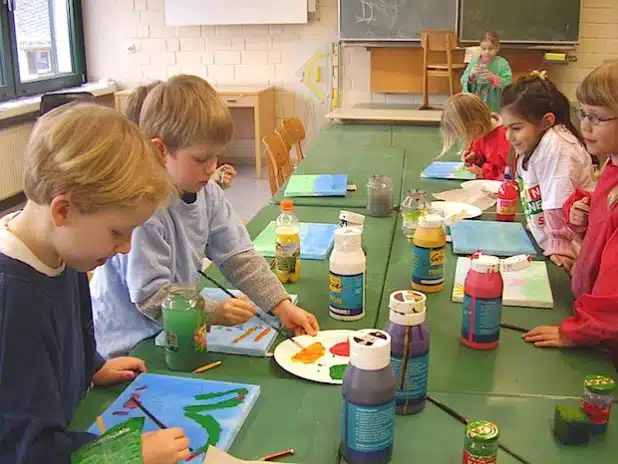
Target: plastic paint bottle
(351,219)
(287,244)
(368,405)
(428,256)
(409,333)
(506,207)
(347,276)
(481,443)
(597,401)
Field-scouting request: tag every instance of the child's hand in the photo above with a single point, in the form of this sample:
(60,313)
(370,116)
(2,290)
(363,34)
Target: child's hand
(475,70)
(548,336)
(562,261)
(471,158)
(488,76)
(224,175)
(167,446)
(476,170)
(233,311)
(118,370)
(296,319)
(579,212)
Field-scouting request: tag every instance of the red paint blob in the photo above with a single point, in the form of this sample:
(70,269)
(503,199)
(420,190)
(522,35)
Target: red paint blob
(341,349)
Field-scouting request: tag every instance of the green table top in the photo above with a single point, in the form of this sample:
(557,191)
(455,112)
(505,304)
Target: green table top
(515,367)
(353,134)
(359,162)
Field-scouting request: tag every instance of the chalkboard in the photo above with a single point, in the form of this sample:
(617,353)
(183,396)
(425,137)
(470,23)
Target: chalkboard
(521,21)
(392,20)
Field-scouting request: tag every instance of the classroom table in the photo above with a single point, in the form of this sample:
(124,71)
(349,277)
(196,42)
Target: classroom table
(515,385)
(360,162)
(515,367)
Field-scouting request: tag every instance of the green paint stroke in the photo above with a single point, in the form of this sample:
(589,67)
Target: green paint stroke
(206,421)
(337,371)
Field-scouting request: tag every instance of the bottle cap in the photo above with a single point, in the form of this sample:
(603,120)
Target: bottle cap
(408,307)
(430,221)
(370,349)
(348,238)
(515,263)
(507,173)
(485,264)
(482,431)
(348,218)
(600,384)
(287,205)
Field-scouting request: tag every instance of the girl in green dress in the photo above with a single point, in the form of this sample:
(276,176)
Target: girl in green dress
(488,74)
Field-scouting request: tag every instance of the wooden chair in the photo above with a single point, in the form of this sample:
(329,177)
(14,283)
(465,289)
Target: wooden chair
(438,40)
(292,132)
(278,161)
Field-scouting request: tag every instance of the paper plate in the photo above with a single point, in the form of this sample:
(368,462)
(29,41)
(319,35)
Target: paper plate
(451,208)
(490,186)
(327,368)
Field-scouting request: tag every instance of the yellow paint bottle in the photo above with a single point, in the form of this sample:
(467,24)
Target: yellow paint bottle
(428,255)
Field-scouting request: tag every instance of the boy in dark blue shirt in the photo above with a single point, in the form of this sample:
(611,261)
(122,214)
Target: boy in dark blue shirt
(91,177)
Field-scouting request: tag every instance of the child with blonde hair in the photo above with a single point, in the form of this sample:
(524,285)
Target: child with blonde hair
(488,74)
(594,216)
(190,125)
(224,175)
(551,161)
(467,120)
(90,177)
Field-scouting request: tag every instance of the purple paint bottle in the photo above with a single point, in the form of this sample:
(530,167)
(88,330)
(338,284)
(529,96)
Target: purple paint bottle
(368,406)
(410,337)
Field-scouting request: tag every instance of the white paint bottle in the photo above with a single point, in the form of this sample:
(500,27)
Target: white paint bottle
(347,277)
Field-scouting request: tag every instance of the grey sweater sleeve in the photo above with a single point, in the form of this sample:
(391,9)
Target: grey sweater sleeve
(151,306)
(250,273)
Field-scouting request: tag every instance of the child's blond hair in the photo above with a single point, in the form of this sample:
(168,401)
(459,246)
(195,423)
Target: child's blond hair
(465,118)
(96,157)
(600,88)
(184,111)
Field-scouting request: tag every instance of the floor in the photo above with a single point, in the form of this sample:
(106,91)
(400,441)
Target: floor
(247,194)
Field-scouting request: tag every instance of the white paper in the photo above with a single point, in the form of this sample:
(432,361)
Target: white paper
(471,196)
(216,456)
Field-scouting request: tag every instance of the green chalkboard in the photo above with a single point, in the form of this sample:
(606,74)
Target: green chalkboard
(521,21)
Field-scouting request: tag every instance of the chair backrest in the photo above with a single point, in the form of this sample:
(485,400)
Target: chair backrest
(50,101)
(295,128)
(438,40)
(278,161)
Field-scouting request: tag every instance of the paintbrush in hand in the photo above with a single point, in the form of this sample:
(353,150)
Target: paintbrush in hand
(231,295)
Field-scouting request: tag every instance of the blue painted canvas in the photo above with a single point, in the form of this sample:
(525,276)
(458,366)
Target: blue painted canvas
(253,338)
(447,170)
(317,185)
(316,240)
(210,412)
(492,237)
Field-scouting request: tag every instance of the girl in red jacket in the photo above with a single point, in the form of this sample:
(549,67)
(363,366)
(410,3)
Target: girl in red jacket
(594,215)
(466,119)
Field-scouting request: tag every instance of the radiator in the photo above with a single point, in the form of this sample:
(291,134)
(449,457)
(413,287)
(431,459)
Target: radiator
(12,148)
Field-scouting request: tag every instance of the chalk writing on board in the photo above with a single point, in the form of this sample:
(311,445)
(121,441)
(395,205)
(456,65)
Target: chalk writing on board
(386,8)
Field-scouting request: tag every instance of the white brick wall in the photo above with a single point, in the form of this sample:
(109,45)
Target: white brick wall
(271,54)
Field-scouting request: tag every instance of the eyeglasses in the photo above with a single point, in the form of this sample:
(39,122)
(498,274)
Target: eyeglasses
(592,120)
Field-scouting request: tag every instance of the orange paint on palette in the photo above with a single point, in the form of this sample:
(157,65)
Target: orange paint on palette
(310,354)
(262,334)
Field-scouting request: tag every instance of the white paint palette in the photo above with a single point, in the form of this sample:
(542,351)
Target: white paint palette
(323,359)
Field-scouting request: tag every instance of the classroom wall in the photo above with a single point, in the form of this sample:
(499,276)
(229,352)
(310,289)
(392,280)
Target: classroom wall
(273,54)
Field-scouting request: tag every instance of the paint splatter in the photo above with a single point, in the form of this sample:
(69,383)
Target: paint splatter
(244,334)
(341,349)
(310,354)
(142,388)
(337,371)
(121,413)
(130,404)
(262,334)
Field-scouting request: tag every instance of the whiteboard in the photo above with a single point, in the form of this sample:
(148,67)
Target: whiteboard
(198,12)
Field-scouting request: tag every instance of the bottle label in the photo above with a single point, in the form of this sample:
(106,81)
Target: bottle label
(367,429)
(287,256)
(481,319)
(506,207)
(597,414)
(347,294)
(472,458)
(410,218)
(412,382)
(171,341)
(428,265)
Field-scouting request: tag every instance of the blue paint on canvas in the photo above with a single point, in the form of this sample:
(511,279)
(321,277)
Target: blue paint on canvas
(447,170)
(316,240)
(177,402)
(317,185)
(492,237)
(220,338)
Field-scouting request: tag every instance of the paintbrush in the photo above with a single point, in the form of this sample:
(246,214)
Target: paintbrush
(150,415)
(451,412)
(231,295)
(516,328)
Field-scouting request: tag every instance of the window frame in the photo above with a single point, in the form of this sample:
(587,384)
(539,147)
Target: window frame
(17,89)
(7,87)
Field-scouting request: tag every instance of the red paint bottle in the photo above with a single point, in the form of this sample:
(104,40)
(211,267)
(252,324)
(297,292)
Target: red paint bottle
(506,208)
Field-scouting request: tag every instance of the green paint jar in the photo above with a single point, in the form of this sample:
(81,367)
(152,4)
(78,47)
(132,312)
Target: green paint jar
(184,328)
(481,443)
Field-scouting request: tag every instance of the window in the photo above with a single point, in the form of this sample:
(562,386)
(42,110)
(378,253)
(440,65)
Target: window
(42,46)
